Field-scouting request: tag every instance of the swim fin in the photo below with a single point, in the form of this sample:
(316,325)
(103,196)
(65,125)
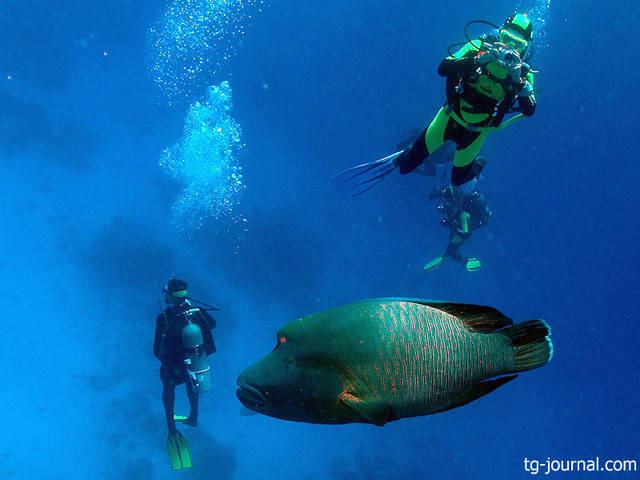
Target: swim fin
(433,264)
(473,265)
(178,450)
(356,180)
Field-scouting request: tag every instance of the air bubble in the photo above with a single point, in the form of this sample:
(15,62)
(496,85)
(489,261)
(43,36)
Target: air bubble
(205,161)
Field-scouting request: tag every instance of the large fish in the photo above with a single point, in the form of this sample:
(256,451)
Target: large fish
(380,360)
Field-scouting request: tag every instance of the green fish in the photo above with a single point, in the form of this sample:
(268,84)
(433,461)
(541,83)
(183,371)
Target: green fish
(383,359)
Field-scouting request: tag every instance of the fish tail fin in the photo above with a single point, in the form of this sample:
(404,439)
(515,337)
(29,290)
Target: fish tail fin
(532,346)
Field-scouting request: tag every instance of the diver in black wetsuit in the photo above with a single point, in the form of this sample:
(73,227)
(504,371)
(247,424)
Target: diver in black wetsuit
(169,348)
(464,210)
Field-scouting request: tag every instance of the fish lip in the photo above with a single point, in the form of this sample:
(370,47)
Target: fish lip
(249,395)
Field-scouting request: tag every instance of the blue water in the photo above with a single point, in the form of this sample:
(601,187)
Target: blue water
(95,221)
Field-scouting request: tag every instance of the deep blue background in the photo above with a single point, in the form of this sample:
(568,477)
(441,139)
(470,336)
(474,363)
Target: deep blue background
(86,243)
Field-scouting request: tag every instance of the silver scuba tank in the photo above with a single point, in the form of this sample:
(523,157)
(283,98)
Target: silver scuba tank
(195,360)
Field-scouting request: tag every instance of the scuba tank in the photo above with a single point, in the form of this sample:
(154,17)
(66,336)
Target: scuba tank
(195,360)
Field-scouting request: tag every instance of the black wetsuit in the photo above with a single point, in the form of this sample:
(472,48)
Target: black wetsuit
(167,347)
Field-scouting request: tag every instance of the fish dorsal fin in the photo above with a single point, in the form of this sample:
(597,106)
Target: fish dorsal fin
(478,318)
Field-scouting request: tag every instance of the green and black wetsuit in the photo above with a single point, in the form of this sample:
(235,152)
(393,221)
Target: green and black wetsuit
(477,102)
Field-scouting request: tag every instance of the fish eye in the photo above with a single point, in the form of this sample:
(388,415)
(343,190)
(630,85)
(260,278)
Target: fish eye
(280,341)
(288,362)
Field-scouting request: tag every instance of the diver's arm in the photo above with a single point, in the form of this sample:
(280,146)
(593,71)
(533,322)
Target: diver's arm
(157,342)
(527,105)
(452,249)
(208,319)
(206,322)
(451,66)
(462,61)
(526,96)
(526,100)
(207,337)
(209,345)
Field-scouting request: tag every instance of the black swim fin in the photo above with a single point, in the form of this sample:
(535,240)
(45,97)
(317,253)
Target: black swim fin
(178,450)
(356,180)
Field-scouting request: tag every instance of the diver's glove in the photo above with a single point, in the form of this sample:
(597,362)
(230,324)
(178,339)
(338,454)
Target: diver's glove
(487,56)
(515,73)
(526,90)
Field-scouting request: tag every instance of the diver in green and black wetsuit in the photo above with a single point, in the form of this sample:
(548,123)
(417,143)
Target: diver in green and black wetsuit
(486,78)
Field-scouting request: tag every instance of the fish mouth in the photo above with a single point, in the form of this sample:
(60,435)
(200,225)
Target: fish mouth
(250,396)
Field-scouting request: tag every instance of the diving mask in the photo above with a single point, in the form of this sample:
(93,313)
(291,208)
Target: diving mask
(513,41)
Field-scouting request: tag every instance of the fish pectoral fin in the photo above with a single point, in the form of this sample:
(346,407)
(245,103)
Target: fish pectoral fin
(480,389)
(374,411)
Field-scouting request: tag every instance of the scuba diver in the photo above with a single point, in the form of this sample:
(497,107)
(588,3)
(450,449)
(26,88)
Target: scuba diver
(486,79)
(464,209)
(182,342)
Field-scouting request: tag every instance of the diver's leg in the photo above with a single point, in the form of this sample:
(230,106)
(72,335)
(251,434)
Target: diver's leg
(465,166)
(168,400)
(193,404)
(434,136)
(455,242)
(428,142)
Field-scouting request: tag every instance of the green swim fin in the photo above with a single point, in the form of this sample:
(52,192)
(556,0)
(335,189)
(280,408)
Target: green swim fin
(433,264)
(356,180)
(473,265)
(179,453)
